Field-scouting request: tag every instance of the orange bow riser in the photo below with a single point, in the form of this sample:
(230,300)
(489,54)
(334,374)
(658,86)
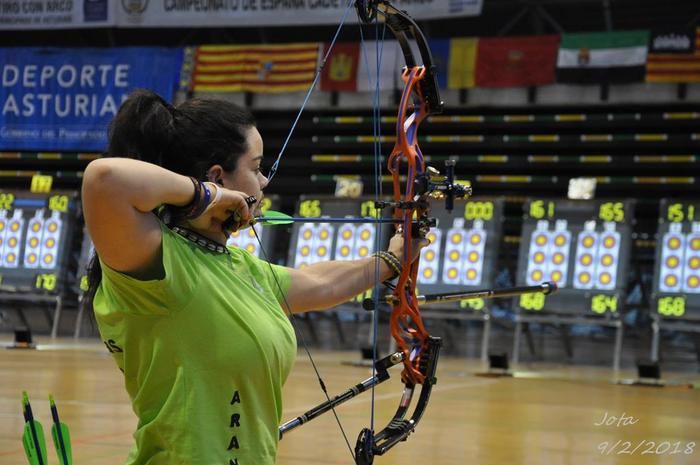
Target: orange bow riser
(406,324)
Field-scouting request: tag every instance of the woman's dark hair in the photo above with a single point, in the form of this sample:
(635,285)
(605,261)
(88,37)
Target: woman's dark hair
(187,139)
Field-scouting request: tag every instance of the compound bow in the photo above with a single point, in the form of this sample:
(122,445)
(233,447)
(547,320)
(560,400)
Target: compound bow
(414,184)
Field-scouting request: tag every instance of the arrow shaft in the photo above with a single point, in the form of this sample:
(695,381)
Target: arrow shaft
(545,288)
(59,435)
(273,220)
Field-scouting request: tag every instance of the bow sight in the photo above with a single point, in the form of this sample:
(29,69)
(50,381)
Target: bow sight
(434,185)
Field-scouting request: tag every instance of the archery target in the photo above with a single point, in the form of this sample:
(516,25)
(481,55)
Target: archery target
(560,246)
(3,233)
(608,255)
(429,258)
(538,254)
(305,246)
(672,259)
(345,242)
(13,239)
(365,240)
(32,247)
(548,255)
(472,274)
(691,261)
(453,258)
(586,257)
(245,239)
(313,244)
(50,241)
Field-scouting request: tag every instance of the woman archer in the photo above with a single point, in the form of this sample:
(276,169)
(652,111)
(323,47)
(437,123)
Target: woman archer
(200,330)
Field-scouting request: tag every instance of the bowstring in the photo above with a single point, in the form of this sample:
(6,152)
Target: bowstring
(275,165)
(376,128)
(273,170)
(301,337)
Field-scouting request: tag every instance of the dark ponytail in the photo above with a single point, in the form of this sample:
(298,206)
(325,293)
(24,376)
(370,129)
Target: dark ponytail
(187,139)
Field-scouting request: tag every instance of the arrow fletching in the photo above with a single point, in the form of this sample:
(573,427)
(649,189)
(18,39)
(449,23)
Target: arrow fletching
(274,218)
(33,437)
(61,436)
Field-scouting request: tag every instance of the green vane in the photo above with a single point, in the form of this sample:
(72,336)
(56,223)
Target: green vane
(61,436)
(33,437)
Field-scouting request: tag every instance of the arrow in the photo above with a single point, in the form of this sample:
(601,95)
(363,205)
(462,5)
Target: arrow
(545,288)
(273,218)
(61,436)
(33,437)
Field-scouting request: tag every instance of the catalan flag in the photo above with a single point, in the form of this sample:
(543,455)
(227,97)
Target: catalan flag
(254,68)
(674,56)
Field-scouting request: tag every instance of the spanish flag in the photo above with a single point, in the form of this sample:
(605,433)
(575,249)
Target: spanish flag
(254,68)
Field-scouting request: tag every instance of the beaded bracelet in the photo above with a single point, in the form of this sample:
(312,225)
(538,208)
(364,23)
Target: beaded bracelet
(391,260)
(200,203)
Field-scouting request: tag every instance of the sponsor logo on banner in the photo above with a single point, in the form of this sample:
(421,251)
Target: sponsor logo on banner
(95,10)
(134,10)
(54,14)
(678,41)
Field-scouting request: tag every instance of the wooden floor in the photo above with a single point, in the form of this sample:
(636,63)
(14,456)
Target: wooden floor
(545,416)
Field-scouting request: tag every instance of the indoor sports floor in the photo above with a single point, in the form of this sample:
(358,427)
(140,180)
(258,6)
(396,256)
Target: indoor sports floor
(546,414)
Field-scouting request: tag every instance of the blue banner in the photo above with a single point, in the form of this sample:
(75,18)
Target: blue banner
(63,99)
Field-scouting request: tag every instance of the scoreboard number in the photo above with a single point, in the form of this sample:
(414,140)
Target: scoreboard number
(6,201)
(533,302)
(539,209)
(369,210)
(478,211)
(612,211)
(678,212)
(310,208)
(41,183)
(671,306)
(474,304)
(46,282)
(58,203)
(602,303)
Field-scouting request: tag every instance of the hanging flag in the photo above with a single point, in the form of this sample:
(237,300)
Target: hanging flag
(611,57)
(390,62)
(460,74)
(340,72)
(674,56)
(440,50)
(516,61)
(255,68)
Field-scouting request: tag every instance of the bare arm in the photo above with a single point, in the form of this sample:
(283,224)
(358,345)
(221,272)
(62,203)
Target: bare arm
(327,284)
(324,285)
(118,196)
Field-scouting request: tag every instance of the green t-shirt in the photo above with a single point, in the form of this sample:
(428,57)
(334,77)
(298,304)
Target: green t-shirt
(204,352)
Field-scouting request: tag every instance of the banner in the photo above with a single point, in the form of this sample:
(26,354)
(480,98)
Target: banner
(227,13)
(613,57)
(462,62)
(254,68)
(674,56)
(56,14)
(63,99)
(516,61)
(70,14)
(340,72)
